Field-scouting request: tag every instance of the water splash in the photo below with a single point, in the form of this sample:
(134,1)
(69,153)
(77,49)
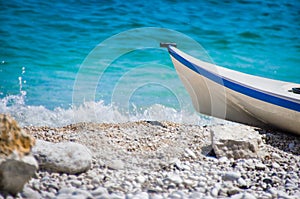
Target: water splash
(41,116)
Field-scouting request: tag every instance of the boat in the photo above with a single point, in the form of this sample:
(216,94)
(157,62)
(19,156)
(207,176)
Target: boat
(235,96)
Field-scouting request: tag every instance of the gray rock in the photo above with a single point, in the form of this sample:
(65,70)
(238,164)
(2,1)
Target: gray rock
(100,191)
(283,195)
(244,195)
(174,178)
(116,164)
(236,142)
(140,179)
(275,165)
(214,192)
(30,194)
(66,190)
(156,196)
(260,166)
(196,195)
(67,157)
(83,193)
(177,195)
(15,171)
(190,153)
(231,176)
(47,195)
(275,156)
(114,196)
(241,183)
(75,183)
(64,196)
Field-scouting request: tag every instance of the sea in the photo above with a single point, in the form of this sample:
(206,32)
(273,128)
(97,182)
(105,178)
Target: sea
(63,62)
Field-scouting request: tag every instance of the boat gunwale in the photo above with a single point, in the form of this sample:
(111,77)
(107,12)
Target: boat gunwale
(269,97)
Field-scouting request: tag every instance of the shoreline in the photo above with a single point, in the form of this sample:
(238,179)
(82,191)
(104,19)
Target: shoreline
(151,159)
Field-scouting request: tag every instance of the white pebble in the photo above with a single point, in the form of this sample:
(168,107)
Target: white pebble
(190,153)
(116,164)
(140,179)
(231,176)
(175,178)
(275,165)
(275,155)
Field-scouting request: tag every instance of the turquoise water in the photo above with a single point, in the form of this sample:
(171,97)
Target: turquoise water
(101,61)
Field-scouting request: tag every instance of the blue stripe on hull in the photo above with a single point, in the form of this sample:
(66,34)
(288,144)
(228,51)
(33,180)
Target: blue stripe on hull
(246,90)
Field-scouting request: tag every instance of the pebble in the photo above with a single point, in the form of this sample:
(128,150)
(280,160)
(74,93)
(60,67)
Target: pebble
(244,195)
(241,183)
(99,191)
(173,167)
(140,179)
(175,178)
(190,153)
(214,192)
(231,176)
(140,195)
(75,183)
(29,193)
(275,156)
(116,164)
(275,165)
(260,166)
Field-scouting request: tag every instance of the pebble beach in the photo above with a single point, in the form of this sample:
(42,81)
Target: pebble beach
(150,159)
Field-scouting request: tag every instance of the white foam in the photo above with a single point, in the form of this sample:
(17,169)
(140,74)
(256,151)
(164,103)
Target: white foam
(93,112)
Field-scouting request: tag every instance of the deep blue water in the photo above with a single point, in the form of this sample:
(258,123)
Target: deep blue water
(54,56)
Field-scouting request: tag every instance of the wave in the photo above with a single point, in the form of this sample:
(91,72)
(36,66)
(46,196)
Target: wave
(97,112)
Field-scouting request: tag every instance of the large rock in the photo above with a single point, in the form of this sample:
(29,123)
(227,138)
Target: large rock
(66,157)
(236,141)
(17,165)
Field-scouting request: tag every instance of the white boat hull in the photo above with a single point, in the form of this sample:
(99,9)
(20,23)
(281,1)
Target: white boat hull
(238,97)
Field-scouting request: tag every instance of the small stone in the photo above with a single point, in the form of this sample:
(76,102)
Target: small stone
(140,179)
(177,195)
(175,178)
(244,195)
(66,190)
(196,195)
(75,183)
(291,145)
(231,176)
(273,191)
(214,192)
(141,195)
(190,153)
(95,181)
(116,165)
(99,191)
(275,156)
(242,183)
(275,165)
(260,166)
(223,159)
(202,184)
(82,193)
(29,193)
(189,182)
(233,191)
(283,195)
(47,195)
(156,196)
(90,187)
